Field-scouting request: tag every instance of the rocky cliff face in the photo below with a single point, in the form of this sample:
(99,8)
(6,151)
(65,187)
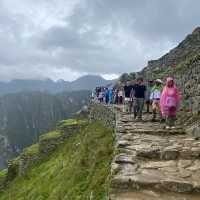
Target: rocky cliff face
(189,47)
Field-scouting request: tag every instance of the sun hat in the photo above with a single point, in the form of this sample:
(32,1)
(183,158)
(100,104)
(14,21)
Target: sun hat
(159,81)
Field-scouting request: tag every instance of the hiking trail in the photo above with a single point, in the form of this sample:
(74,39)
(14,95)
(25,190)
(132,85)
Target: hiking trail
(153,163)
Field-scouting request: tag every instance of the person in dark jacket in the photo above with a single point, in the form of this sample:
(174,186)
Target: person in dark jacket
(128,100)
(139,90)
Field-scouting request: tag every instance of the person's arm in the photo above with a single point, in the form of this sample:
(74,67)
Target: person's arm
(146,95)
(151,96)
(132,94)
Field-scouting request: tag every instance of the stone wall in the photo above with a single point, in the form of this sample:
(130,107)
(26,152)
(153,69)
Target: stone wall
(189,83)
(103,113)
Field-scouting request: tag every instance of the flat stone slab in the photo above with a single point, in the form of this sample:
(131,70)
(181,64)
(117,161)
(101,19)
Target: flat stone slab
(159,147)
(182,176)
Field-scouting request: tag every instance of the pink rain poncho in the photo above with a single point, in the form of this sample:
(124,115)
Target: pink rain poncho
(169,100)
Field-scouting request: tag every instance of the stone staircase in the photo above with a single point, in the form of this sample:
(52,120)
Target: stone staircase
(153,163)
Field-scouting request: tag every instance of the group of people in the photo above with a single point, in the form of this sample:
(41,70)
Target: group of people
(109,95)
(160,100)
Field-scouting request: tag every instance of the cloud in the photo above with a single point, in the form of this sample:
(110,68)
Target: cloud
(65,39)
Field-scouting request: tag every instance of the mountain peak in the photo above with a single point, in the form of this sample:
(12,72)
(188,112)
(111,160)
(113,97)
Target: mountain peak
(190,46)
(196,31)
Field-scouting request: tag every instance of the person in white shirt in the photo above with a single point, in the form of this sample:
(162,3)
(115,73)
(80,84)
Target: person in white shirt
(156,93)
(120,95)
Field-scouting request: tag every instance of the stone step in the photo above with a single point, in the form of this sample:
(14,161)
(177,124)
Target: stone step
(153,163)
(152,195)
(148,131)
(181,176)
(159,147)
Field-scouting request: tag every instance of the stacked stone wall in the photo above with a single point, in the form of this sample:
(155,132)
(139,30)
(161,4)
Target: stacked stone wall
(189,83)
(103,113)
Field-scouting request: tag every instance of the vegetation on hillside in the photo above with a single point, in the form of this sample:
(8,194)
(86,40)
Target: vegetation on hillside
(78,170)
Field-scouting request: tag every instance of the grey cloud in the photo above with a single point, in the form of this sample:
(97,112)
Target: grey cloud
(95,36)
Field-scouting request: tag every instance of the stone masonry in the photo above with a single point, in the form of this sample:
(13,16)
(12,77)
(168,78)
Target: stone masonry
(152,163)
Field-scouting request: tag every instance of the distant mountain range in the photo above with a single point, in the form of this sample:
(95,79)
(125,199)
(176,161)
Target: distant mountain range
(88,82)
(24,116)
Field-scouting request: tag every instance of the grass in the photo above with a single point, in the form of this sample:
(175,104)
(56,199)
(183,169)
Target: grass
(71,122)
(50,135)
(32,150)
(3,174)
(77,170)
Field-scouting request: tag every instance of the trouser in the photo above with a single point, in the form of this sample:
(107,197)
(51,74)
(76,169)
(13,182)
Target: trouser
(116,99)
(120,100)
(155,107)
(148,106)
(170,121)
(138,105)
(128,105)
(107,99)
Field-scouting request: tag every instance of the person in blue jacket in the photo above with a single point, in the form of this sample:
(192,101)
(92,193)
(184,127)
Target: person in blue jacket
(107,96)
(110,95)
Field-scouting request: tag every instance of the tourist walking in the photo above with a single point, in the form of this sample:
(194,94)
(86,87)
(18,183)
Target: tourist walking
(128,100)
(106,96)
(120,95)
(169,102)
(155,97)
(110,95)
(116,96)
(148,94)
(101,95)
(139,90)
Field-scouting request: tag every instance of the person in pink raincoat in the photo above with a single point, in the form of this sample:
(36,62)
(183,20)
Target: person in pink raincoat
(169,103)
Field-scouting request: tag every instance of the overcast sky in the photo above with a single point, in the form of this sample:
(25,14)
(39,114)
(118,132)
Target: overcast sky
(64,39)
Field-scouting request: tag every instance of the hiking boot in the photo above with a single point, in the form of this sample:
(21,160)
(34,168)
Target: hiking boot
(167,127)
(135,116)
(162,121)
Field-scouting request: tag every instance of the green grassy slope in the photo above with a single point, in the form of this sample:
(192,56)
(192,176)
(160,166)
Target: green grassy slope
(78,170)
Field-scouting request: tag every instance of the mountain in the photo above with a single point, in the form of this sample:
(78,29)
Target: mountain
(186,49)
(88,82)
(24,116)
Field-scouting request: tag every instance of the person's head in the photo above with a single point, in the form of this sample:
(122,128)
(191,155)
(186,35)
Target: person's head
(140,80)
(128,83)
(158,82)
(170,82)
(151,83)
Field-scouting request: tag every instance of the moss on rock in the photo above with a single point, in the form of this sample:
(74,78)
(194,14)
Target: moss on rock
(3,174)
(32,150)
(71,122)
(50,135)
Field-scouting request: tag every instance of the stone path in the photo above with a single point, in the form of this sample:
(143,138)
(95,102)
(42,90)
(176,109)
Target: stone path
(153,163)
